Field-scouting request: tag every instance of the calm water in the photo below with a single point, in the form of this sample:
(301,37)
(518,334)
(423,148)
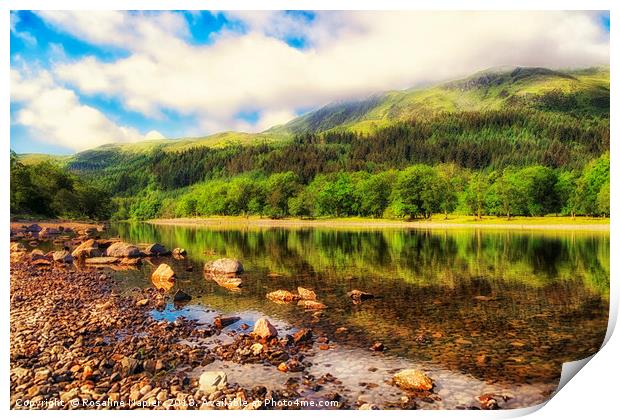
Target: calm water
(545,301)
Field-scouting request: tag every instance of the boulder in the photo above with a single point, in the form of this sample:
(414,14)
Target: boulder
(123,249)
(225,266)
(282,296)
(311,304)
(101,260)
(413,380)
(359,296)
(264,329)
(62,257)
(156,249)
(163,277)
(211,381)
(89,248)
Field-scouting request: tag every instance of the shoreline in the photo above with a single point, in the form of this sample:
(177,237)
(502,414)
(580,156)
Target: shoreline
(490,223)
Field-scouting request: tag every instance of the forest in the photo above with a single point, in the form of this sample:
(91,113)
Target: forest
(515,161)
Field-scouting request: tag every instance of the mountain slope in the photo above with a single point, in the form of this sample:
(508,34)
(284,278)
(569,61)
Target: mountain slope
(576,92)
(582,91)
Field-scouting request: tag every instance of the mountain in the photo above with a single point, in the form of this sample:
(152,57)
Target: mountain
(577,91)
(573,92)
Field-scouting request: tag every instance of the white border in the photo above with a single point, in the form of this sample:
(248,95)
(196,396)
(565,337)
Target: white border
(593,393)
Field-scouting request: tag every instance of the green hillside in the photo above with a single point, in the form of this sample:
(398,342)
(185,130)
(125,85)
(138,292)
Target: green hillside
(583,91)
(518,141)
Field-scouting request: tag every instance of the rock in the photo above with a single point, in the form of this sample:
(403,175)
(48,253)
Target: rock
(142,302)
(488,402)
(359,296)
(89,248)
(37,254)
(413,380)
(62,257)
(34,228)
(304,334)
(224,321)
(101,260)
(91,231)
(131,261)
(311,304)
(368,406)
(181,296)
(123,249)
(282,296)
(179,251)
(156,249)
(264,329)
(377,347)
(211,381)
(282,367)
(231,283)
(256,348)
(306,294)
(18,247)
(48,231)
(225,266)
(163,277)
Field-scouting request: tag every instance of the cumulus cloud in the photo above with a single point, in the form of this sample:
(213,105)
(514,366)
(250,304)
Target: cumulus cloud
(346,55)
(55,115)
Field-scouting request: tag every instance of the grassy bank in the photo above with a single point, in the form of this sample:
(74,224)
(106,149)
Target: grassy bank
(456,221)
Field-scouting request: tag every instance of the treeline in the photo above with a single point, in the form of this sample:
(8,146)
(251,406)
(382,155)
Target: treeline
(418,191)
(47,190)
(471,140)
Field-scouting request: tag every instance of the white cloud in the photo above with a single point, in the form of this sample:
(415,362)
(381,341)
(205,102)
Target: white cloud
(55,115)
(350,54)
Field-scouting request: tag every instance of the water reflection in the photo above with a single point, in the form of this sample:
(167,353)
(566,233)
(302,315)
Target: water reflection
(501,307)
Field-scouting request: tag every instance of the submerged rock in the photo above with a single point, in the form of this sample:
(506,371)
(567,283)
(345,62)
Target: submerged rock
(282,296)
(231,283)
(311,304)
(359,296)
(264,329)
(101,260)
(413,380)
(163,277)
(306,294)
(225,266)
(211,381)
(304,334)
(123,249)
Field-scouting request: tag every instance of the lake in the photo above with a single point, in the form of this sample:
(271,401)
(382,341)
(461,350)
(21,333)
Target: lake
(481,311)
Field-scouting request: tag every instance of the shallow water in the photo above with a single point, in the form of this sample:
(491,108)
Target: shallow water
(480,311)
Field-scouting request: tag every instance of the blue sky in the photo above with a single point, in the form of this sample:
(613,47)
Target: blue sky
(81,79)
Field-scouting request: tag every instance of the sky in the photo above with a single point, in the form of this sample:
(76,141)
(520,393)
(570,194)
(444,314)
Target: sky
(83,79)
